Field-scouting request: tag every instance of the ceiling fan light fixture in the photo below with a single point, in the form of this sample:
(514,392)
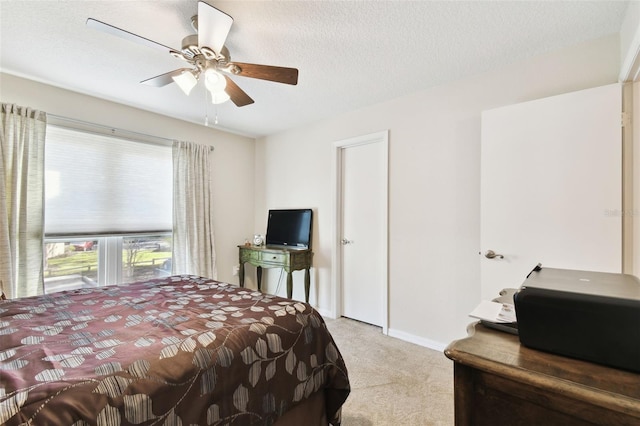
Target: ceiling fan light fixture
(219,97)
(186,81)
(214,81)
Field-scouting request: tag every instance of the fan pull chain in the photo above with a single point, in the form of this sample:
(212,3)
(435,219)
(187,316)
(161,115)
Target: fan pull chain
(206,109)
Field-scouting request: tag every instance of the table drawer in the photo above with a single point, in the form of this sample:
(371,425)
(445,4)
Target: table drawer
(249,255)
(273,257)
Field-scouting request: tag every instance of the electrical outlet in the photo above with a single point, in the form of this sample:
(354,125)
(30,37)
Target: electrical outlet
(235,270)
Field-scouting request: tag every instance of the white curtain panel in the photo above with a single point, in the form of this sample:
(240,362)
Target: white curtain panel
(22,135)
(193,239)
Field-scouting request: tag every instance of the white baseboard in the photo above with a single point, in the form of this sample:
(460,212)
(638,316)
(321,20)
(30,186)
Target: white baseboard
(407,337)
(427,343)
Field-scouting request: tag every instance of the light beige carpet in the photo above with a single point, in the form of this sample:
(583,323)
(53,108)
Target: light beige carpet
(393,382)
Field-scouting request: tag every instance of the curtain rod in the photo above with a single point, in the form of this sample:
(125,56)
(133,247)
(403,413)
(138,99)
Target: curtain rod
(76,124)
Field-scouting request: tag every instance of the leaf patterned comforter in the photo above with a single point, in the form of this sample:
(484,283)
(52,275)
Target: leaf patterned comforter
(180,350)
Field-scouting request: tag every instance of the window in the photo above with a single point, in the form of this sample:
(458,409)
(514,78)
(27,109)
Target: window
(108,209)
(72,263)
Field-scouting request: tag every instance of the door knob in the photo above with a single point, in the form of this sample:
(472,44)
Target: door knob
(490,254)
(344,241)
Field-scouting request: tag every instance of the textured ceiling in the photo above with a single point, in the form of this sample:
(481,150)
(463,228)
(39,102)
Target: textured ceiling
(349,54)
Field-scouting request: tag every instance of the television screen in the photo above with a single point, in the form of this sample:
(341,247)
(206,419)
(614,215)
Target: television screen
(289,228)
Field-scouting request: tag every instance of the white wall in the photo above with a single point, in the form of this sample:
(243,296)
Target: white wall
(434,169)
(636,178)
(233,191)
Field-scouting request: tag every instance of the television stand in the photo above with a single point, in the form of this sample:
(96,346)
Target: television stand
(269,257)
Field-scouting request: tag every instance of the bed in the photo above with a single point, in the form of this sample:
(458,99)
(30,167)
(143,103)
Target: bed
(179,350)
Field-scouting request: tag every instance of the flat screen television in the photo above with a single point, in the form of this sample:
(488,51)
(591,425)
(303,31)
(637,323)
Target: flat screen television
(289,228)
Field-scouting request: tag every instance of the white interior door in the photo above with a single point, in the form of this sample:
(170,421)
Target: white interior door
(363,239)
(551,185)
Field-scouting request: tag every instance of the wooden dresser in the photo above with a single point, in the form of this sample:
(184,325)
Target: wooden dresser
(499,382)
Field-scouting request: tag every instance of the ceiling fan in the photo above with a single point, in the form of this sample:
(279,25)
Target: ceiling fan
(207,57)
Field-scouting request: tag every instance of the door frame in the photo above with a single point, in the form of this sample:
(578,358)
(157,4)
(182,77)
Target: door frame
(336,254)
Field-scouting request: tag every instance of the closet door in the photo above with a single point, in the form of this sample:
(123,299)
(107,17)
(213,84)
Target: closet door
(551,187)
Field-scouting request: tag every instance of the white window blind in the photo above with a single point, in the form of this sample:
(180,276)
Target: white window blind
(98,184)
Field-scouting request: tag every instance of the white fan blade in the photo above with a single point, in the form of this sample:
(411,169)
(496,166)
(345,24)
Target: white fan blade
(213,27)
(110,29)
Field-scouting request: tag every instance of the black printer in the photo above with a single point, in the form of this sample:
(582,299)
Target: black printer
(594,316)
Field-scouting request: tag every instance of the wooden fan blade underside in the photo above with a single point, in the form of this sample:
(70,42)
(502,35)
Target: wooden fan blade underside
(213,27)
(119,32)
(268,72)
(237,95)
(163,79)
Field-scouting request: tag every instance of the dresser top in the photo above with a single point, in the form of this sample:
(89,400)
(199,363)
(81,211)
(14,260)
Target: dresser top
(502,354)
